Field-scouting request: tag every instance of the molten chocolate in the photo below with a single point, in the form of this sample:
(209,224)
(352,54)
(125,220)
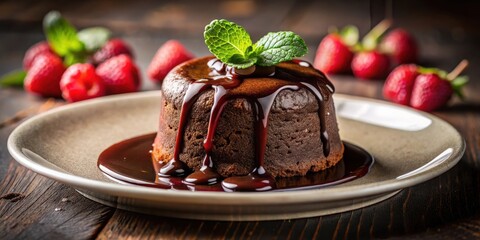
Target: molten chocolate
(130,162)
(259,86)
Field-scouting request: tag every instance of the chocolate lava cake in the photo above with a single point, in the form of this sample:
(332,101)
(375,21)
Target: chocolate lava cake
(280,118)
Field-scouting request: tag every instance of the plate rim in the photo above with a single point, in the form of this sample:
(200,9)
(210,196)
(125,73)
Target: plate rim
(245,198)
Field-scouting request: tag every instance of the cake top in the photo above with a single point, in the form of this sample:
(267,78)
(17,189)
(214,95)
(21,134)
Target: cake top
(261,81)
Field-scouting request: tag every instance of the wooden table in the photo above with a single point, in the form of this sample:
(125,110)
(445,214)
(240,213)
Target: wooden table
(32,206)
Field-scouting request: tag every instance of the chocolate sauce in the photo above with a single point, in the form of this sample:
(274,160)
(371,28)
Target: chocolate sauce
(226,82)
(130,162)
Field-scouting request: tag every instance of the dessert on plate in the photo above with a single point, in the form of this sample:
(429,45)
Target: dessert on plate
(246,115)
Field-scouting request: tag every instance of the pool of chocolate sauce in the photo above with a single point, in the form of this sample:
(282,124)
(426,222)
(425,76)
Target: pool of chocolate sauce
(130,162)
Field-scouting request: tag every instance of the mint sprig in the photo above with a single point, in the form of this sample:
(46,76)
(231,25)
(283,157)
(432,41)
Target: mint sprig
(232,44)
(63,39)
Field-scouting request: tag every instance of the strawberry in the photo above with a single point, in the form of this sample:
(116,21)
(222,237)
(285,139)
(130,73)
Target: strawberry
(425,89)
(44,76)
(368,62)
(333,56)
(430,92)
(112,48)
(119,74)
(370,65)
(169,55)
(399,84)
(401,46)
(80,82)
(37,49)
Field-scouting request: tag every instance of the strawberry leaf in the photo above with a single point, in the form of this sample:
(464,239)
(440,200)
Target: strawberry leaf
(442,74)
(13,79)
(349,35)
(372,38)
(94,38)
(457,85)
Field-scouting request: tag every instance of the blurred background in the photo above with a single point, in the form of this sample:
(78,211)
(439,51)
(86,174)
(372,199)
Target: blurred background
(440,26)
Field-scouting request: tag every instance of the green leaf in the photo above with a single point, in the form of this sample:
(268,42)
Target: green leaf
(71,59)
(349,35)
(279,47)
(442,74)
(94,38)
(239,61)
(457,85)
(231,44)
(61,35)
(372,38)
(13,79)
(228,42)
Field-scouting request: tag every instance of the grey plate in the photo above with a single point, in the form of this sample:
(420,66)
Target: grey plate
(409,147)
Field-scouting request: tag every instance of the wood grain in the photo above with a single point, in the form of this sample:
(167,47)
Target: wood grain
(31,206)
(41,213)
(446,207)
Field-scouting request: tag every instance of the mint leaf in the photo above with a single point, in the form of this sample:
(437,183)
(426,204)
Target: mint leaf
(94,38)
(62,36)
(279,47)
(13,79)
(229,42)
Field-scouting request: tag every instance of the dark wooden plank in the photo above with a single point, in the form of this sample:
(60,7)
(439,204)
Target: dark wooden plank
(378,221)
(48,209)
(34,207)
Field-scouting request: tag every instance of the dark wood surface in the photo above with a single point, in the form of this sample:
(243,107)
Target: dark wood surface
(446,207)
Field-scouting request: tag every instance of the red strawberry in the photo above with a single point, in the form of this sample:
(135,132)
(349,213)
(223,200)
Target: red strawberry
(370,65)
(44,76)
(399,84)
(430,92)
(112,48)
(38,49)
(119,74)
(401,45)
(424,88)
(333,56)
(80,82)
(169,55)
